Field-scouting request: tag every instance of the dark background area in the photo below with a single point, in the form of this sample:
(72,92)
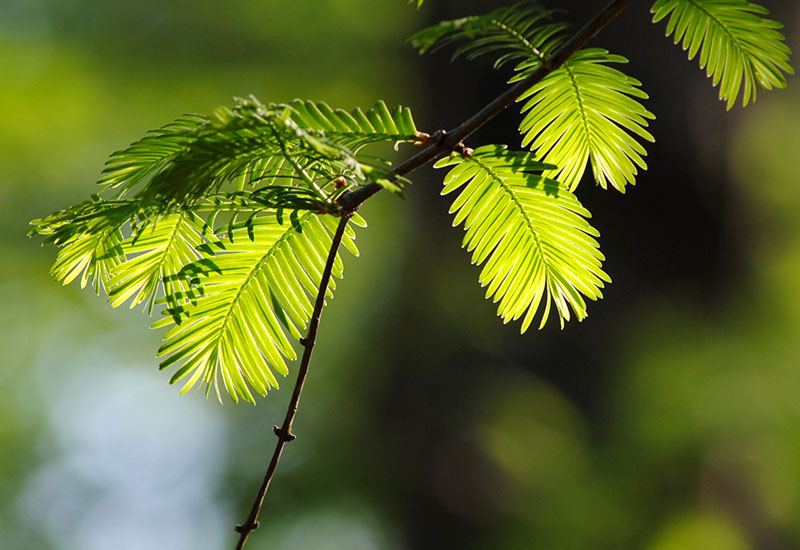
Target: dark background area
(668,419)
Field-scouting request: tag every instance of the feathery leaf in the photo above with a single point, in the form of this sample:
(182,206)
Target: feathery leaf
(522,32)
(236,265)
(582,112)
(305,145)
(155,256)
(739,48)
(251,287)
(587,111)
(356,128)
(90,237)
(530,231)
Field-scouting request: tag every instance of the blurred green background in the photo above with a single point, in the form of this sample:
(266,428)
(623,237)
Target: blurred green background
(668,420)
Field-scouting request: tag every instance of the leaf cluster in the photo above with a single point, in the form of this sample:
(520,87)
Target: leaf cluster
(302,145)
(225,220)
(588,113)
(537,246)
(583,112)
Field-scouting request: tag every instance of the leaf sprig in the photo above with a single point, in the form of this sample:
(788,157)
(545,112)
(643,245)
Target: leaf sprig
(587,113)
(530,231)
(583,112)
(196,200)
(739,49)
(251,288)
(523,32)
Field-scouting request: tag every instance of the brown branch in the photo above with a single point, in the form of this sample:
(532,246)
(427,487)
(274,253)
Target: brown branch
(443,142)
(284,432)
(450,140)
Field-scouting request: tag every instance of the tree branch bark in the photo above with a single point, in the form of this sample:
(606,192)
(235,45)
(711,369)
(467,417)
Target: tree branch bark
(444,143)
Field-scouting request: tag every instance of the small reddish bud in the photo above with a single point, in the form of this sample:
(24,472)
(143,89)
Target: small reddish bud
(424,139)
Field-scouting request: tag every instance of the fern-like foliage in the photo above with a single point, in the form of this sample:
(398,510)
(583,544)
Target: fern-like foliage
(530,231)
(739,48)
(356,128)
(89,236)
(154,259)
(253,286)
(226,220)
(253,144)
(235,162)
(523,33)
(583,112)
(587,112)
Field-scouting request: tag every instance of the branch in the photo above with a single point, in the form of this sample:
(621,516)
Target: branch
(284,432)
(349,202)
(450,140)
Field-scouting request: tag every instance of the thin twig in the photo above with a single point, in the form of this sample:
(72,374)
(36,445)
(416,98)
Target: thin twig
(350,201)
(284,432)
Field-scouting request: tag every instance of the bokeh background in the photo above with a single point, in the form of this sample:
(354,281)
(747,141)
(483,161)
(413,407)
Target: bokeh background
(668,420)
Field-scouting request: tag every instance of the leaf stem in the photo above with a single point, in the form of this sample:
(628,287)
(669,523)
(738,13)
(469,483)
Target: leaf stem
(284,432)
(450,140)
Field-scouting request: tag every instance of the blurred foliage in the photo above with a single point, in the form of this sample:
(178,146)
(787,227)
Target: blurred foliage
(424,420)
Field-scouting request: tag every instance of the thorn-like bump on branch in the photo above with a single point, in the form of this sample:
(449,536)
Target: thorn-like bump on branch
(302,341)
(241,528)
(283,435)
(439,138)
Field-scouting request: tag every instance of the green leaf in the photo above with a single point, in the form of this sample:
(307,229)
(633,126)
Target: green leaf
(356,128)
(197,155)
(92,256)
(530,232)
(739,48)
(582,112)
(251,287)
(522,32)
(155,256)
(587,112)
(304,145)
(89,235)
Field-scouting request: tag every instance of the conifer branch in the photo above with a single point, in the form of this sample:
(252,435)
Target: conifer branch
(441,143)
(449,141)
